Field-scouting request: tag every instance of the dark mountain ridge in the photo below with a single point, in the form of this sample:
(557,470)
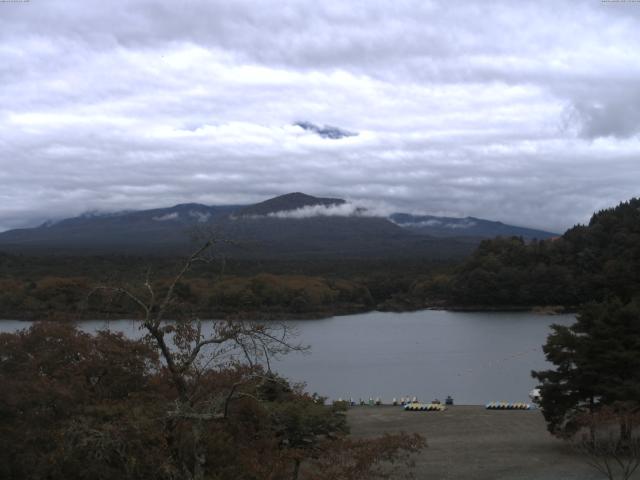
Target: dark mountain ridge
(257,232)
(283,203)
(465,227)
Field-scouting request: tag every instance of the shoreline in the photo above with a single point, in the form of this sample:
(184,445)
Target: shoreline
(549,310)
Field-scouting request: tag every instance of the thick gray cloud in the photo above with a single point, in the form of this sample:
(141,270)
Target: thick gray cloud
(525,112)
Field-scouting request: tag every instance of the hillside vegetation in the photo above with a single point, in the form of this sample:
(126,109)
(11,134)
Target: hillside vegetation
(60,287)
(588,263)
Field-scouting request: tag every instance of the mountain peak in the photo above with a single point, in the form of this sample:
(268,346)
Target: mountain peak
(289,201)
(326,131)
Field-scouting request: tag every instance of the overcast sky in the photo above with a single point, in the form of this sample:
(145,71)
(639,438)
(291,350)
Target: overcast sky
(524,112)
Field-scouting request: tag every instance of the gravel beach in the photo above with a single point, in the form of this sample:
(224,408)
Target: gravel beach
(470,442)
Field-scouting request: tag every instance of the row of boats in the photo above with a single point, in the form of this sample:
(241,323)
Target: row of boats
(425,407)
(508,406)
(404,401)
(413,404)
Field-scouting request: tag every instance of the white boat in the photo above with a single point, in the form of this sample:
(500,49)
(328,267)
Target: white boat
(535,396)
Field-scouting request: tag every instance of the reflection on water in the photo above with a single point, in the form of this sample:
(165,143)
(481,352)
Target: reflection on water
(474,357)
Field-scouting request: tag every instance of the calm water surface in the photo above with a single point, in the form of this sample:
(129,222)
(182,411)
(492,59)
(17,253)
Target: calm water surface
(474,357)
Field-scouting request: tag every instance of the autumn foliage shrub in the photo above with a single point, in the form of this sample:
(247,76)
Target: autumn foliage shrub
(81,406)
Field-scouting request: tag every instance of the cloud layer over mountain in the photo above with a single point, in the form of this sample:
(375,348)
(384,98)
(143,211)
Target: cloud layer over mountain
(526,112)
(342,210)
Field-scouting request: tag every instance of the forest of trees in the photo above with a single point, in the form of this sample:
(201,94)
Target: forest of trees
(258,296)
(58,287)
(588,263)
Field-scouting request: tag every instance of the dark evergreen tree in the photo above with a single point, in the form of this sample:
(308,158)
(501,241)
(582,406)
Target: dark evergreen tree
(597,363)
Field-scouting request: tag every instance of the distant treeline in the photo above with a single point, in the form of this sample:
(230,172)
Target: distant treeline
(67,287)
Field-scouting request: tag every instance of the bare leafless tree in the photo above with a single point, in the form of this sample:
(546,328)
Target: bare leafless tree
(610,440)
(188,351)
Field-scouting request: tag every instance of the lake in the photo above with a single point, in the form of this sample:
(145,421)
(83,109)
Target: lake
(474,357)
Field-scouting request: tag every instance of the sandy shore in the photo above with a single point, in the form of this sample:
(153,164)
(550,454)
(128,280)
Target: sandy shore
(469,442)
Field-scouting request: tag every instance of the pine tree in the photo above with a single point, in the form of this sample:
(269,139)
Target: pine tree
(597,363)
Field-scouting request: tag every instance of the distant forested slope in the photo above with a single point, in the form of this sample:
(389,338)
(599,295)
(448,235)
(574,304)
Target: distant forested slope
(587,263)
